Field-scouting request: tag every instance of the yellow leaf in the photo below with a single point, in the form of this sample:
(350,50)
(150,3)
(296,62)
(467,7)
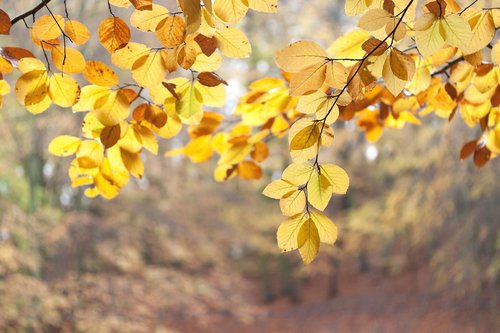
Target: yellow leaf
(293,203)
(208,5)
(89,154)
(185,55)
(402,65)
(171,128)
(299,56)
(41,106)
(133,163)
(422,78)
(27,64)
(308,241)
(278,188)
(148,138)
(394,84)
(126,56)
(77,31)
(231,11)
(374,19)
(235,154)
(100,74)
(88,97)
(4,88)
(212,96)
(5,66)
(199,149)
(68,60)
(63,90)
(305,138)
(326,228)
(111,108)
(311,103)
(308,80)
(493,140)
(265,6)
(336,176)
(189,103)
(32,87)
(297,173)
(319,190)
(192,13)
(349,45)
(456,31)
(224,172)
(131,141)
(149,70)
(428,35)
(354,7)
(64,145)
(301,154)
(207,64)
(330,110)
(288,232)
(48,27)
(233,43)
(336,75)
(495,53)
(120,3)
(148,20)
(483,29)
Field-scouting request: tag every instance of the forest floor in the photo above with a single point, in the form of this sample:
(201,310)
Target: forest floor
(370,302)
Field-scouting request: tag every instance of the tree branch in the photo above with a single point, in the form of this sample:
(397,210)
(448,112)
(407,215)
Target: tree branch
(30,12)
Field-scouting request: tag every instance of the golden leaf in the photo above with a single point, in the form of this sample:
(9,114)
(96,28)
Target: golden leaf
(63,90)
(100,74)
(48,27)
(114,33)
(171,31)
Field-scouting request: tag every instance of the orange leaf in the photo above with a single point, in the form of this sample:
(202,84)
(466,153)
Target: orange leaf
(114,34)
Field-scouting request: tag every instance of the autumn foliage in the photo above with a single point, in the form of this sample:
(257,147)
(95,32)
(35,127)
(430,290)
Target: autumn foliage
(406,60)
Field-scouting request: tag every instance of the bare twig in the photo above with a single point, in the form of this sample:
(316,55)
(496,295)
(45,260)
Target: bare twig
(30,12)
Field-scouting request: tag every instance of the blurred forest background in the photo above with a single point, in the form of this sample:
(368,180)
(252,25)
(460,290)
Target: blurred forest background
(419,246)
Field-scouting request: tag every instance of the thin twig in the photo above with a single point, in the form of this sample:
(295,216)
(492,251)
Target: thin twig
(30,12)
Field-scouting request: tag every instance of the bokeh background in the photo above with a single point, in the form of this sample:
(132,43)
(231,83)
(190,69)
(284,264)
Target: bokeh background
(419,246)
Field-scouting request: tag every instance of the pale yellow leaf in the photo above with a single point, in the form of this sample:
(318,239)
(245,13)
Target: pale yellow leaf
(233,43)
(308,241)
(319,190)
(299,56)
(297,173)
(293,203)
(326,228)
(64,145)
(288,232)
(337,177)
(230,11)
(148,20)
(278,188)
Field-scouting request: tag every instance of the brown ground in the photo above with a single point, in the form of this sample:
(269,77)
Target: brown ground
(370,302)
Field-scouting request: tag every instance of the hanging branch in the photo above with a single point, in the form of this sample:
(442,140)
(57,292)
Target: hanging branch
(30,12)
